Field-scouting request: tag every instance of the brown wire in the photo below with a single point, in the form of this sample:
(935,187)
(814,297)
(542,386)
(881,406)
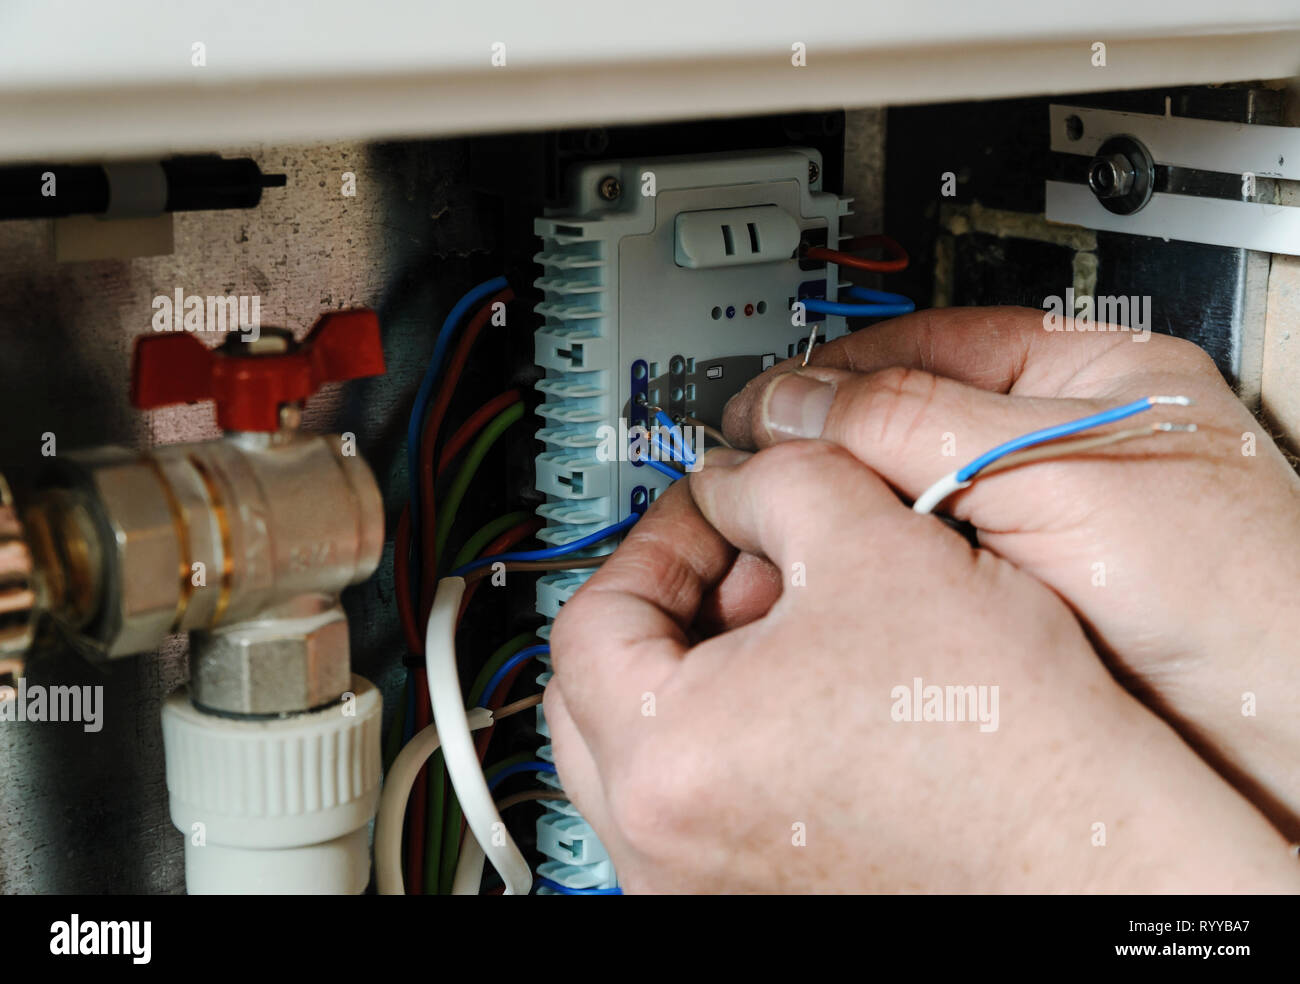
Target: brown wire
(522,704)
(1060,449)
(515,799)
(710,431)
(559,564)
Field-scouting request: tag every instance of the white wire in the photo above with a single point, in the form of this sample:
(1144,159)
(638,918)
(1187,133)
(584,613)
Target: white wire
(936,493)
(397,791)
(463,767)
(469,869)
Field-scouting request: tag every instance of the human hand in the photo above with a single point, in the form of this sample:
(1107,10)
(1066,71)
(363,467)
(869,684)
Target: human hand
(1180,554)
(769,757)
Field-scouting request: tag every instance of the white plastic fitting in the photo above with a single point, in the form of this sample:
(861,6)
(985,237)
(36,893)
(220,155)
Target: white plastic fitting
(276,806)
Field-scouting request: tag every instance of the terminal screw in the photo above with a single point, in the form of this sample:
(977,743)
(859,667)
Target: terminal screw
(610,188)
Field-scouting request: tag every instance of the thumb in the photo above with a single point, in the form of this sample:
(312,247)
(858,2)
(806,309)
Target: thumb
(909,426)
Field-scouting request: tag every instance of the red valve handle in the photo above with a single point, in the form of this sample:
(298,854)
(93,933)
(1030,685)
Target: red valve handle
(250,389)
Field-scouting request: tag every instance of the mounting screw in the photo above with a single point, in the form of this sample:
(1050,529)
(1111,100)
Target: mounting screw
(1122,175)
(814,172)
(610,188)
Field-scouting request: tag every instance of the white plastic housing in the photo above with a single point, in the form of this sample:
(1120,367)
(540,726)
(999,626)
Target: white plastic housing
(278,806)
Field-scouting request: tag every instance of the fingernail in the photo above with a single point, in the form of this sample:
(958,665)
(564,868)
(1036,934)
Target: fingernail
(796,405)
(723,458)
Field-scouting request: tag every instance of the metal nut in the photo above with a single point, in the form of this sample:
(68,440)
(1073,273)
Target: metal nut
(1111,176)
(142,597)
(272,666)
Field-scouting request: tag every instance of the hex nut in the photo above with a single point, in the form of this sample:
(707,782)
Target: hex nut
(144,604)
(275,666)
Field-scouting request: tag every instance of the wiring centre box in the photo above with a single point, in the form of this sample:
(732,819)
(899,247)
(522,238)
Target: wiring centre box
(671,279)
(666,282)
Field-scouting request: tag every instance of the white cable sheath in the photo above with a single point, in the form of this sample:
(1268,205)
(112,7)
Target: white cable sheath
(937,492)
(469,869)
(463,767)
(397,791)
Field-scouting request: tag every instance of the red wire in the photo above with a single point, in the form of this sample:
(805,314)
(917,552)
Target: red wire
(508,539)
(429,441)
(401,576)
(844,255)
(501,544)
(473,424)
(504,542)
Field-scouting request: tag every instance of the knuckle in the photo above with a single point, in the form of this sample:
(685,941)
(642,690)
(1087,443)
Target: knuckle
(658,797)
(567,634)
(789,468)
(1192,358)
(889,407)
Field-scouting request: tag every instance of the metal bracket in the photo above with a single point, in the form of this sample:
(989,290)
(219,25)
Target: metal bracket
(1248,150)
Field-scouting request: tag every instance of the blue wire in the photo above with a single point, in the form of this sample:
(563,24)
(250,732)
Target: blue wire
(672,473)
(565,890)
(671,451)
(550,553)
(880,296)
(1052,433)
(520,657)
(514,770)
(670,425)
(888,305)
(421,407)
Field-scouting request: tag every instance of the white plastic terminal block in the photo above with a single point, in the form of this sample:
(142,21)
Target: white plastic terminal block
(277,806)
(647,277)
(687,288)
(735,236)
(559,835)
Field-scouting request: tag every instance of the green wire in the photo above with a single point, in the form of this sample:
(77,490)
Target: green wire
(434,827)
(460,484)
(442,832)
(449,849)
(451,833)
(476,543)
(450,852)
(525,756)
(494,663)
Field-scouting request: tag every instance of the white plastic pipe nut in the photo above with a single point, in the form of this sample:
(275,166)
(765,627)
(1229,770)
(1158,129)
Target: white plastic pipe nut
(277,806)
